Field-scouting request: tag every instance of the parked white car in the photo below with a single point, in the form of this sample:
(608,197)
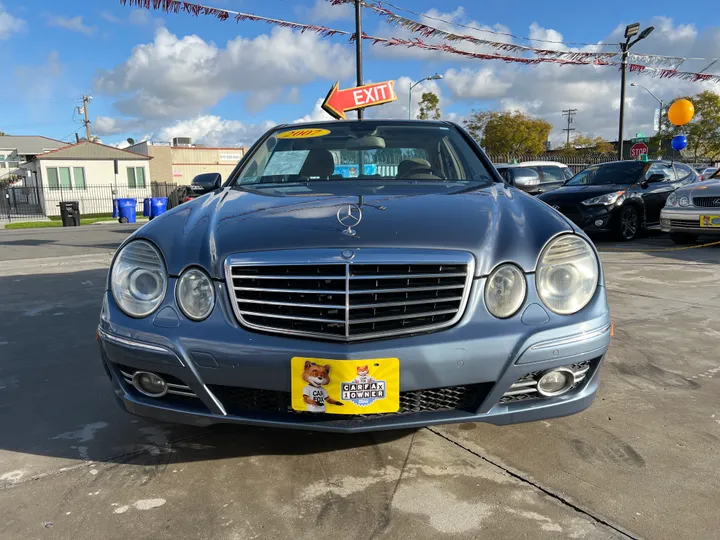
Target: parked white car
(692,211)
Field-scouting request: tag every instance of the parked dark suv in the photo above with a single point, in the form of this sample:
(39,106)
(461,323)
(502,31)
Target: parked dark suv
(621,197)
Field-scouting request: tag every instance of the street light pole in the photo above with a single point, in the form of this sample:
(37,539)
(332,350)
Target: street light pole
(660,101)
(631,30)
(662,106)
(435,77)
(623,70)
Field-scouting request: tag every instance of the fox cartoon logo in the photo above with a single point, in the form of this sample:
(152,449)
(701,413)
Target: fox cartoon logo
(363,390)
(315,395)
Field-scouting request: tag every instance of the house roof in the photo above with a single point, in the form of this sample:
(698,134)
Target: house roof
(31,145)
(92,151)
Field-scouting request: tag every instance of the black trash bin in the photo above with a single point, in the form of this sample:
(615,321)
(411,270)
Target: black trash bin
(70,213)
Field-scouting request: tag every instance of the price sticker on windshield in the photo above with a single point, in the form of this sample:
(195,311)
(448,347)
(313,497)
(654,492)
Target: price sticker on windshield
(303,133)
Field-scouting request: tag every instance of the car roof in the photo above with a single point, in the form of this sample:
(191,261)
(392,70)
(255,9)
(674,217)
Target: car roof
(541,163)
(380,121)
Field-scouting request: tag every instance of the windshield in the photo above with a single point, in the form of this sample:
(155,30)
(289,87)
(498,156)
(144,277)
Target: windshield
(364,151)
(625,172)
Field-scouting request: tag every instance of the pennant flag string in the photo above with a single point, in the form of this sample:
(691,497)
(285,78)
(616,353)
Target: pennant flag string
(431,31)
(487,30)
(584,59)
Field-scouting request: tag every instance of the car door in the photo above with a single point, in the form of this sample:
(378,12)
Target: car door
(551,177)
(655,194)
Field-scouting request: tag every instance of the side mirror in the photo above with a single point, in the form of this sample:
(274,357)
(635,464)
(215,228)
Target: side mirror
(655,178)
(524,178)
(205,183)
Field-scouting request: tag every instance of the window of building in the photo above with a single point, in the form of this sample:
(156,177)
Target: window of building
(136,177)
(79,177)
(59,178)
(64,175)
(53,178)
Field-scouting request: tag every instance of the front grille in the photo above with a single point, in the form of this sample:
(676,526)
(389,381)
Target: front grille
(239,401)
(707,202)
(571,212)
(367,297)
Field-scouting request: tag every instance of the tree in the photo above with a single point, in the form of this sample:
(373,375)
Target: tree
(508,132)
(703,131)
(584,144)
(429,107)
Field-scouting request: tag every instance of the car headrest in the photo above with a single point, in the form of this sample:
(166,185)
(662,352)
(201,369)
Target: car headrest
(319,162)
(408,165)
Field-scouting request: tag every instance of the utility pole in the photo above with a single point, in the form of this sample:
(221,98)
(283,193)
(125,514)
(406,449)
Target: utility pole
(570,113)
(86,102)
(358,49)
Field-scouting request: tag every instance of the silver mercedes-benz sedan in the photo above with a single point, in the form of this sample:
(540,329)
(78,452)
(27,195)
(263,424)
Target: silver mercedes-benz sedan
(353,276)
(692,211)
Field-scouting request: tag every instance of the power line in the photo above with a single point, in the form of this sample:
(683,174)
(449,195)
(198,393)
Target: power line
(570,113)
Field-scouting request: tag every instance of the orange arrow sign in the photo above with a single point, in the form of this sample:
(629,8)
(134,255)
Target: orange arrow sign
(338,102)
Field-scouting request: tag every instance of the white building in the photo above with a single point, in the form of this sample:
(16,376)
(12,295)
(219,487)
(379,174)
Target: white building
(91,173)
(16,150)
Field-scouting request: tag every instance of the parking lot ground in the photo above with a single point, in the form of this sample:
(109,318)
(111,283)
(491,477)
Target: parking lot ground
(642,462)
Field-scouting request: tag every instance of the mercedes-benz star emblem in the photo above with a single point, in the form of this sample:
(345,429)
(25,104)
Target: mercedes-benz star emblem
(349,216)
(347,254)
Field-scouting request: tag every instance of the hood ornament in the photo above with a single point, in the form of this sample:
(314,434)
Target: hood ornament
(349,216)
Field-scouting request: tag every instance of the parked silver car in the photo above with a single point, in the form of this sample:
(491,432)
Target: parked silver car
(298,295)
(692,211)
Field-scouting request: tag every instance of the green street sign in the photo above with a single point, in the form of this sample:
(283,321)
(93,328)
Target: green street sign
(639,139)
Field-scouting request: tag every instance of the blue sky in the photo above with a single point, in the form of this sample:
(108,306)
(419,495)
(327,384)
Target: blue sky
(54,51)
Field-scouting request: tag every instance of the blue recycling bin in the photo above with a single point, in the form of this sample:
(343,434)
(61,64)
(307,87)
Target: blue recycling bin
(127,211)
(158,205)
(116,211)
(146,206)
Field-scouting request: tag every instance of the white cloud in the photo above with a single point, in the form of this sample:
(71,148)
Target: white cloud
(9,25)
(109,17)
(214,131)
(180,77)
(475,84)
(74,24)
(323,10)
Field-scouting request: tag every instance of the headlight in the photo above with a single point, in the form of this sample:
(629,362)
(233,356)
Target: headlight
(567,274)
(684,200)
(505,291)
(138,279)
(195,294)
(671,200)
(607,199)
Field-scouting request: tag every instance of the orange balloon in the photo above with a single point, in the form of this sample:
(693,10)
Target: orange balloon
(681,112)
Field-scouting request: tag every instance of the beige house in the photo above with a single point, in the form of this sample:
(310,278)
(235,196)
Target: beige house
(91,173)
(180,164)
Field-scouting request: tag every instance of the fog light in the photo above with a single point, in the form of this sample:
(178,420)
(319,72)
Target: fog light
(555,382)
(599,223)
(150,384)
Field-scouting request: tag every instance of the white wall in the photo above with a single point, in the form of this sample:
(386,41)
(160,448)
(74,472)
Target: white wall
(102,185)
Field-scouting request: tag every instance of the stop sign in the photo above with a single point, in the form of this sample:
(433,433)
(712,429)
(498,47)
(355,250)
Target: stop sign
(638,149)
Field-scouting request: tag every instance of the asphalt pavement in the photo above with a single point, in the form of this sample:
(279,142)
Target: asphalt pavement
(642,462)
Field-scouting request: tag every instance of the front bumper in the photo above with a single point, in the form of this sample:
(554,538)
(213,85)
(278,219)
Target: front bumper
(591,219)
(237,376)
(687,220)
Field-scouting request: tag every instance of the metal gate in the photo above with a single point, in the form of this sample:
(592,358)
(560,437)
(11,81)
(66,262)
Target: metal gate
(20,203)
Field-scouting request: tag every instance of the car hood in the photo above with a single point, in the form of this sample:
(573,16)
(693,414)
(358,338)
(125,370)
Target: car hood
(708,188)
(496,224)
(574,194)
